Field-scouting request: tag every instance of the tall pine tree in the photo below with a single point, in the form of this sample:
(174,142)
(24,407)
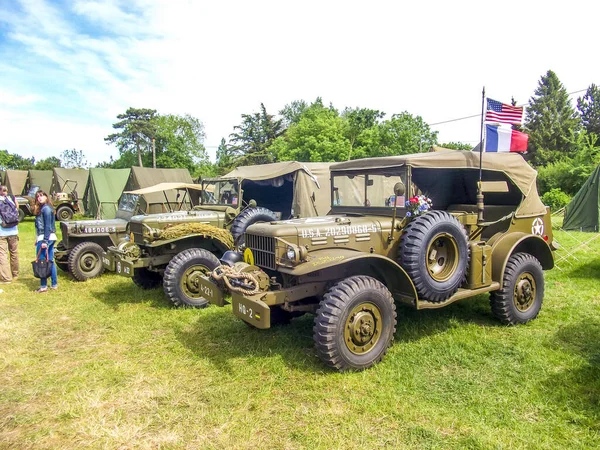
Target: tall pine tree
(589,108)
(551,122)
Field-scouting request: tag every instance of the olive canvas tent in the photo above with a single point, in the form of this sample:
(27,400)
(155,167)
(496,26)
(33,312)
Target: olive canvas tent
(104,187)
(582,212)
(41,178)
(294,184)
(157,202)
(69,181)
(15,181)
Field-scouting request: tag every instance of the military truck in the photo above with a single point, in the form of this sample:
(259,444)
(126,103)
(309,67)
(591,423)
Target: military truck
(177,249)
(380,244)
(84,241)
(64,203)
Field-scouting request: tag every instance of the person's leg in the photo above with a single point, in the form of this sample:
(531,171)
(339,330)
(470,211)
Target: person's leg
(53,276)
(4,266)
(13,248)
(42,252)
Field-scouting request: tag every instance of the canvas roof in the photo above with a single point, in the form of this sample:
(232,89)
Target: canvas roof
(104,187)
(142,177)
(511,164)
(15,181)
(41,178)
(311,196)
(165,187)
(583,211)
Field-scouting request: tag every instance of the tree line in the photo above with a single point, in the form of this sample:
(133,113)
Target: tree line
(563,139)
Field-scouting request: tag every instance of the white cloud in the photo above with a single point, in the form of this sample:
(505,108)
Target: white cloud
(218,60)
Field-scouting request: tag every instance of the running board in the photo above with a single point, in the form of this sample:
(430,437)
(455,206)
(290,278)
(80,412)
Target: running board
(460,294)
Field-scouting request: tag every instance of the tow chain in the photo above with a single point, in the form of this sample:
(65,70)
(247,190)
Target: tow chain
(227,273)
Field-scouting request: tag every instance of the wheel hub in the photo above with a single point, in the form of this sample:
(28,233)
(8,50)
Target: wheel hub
(524,295)
(363,328)
(88,262)
(442,257)
(190,281)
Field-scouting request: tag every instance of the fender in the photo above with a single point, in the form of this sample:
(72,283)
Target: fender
(187,237)
(516,242)
(394,275)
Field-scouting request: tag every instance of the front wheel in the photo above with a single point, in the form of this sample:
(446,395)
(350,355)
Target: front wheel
(21,215)
(522,293)
(355,324)
(85,261)
(64,213)
(183,273)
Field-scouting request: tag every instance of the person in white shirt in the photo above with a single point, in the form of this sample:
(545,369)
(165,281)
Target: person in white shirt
(9,244)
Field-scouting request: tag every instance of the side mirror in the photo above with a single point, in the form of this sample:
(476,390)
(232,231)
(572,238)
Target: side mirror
(399,189)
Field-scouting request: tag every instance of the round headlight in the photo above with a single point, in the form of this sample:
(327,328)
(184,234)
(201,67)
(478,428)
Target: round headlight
(291,253)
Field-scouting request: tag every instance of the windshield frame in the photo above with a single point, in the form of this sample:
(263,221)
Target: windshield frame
(403,172)
(217,197)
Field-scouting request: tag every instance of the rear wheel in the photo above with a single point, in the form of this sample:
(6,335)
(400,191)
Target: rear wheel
(520,299)
(64,213)
(146,279)
(85,261)
(183,273)
(21,215)
(355,324)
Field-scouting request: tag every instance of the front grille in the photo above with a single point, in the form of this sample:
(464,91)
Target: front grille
(263,249)
(138,232)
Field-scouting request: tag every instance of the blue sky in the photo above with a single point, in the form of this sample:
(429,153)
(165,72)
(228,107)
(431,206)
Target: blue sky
(67,68)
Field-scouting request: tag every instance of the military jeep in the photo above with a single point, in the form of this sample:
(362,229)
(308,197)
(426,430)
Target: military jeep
(65,204)
(177,249)
(373,248)
(84,241)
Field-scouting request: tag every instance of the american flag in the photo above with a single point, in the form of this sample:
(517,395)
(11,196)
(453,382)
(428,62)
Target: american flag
(499,112)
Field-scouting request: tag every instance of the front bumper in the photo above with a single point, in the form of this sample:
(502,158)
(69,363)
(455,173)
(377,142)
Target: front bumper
(114,262)
(251,310)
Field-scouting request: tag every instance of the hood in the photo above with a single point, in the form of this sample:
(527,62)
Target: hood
(180,217)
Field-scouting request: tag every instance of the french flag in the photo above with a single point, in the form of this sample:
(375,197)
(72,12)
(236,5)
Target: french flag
(500,139)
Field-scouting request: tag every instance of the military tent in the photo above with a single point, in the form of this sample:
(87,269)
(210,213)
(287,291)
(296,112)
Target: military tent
(582,212)
(15,181)
(101,195)
(2,176)
(69,181)
(294,184)
(155,202)
(41,178)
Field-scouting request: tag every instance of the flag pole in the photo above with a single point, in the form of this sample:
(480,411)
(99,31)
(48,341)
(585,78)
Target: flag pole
(481,145)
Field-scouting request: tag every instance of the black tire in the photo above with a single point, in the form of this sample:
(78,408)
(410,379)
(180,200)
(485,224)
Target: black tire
(64,213)
(522,293)
(146,279)
(248,217)
(355,324)
(85,261)
(21,215)
(181,275)
(434,251)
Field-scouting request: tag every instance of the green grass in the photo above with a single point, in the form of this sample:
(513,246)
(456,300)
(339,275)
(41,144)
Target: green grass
(103,364)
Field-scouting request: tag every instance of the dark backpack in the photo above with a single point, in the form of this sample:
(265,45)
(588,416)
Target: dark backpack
(9,214)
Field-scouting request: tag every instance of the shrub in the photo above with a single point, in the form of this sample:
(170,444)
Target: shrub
(555,199)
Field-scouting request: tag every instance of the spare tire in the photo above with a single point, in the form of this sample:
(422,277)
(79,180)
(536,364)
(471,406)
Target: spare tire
(248,217)
(434,251)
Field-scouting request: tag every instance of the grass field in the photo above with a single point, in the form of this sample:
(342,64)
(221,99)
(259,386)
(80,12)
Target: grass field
(103,364)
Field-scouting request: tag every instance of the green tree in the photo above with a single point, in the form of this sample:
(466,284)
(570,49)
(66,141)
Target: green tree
(404,134)
(73,159)
(362,130)
(137,130)
(179,141)
(293,112)
(551,122)
(14,161)
(253,137)
(457,146)
(589,109)
(225,157)
(319,136)
(48,163)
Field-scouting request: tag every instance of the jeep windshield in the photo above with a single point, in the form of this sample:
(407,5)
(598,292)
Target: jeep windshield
(358,190)
(221,193)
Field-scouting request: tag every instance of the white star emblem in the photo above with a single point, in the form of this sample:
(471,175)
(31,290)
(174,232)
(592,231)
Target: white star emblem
(537,227)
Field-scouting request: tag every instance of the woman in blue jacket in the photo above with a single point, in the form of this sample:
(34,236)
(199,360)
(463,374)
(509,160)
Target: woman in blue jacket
(45,230)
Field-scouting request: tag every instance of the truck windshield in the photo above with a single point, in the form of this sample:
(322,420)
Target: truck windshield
(128,202)
(367,190)
(224,193)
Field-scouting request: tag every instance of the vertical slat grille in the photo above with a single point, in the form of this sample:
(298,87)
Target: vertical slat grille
(263,249)
(137,230)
